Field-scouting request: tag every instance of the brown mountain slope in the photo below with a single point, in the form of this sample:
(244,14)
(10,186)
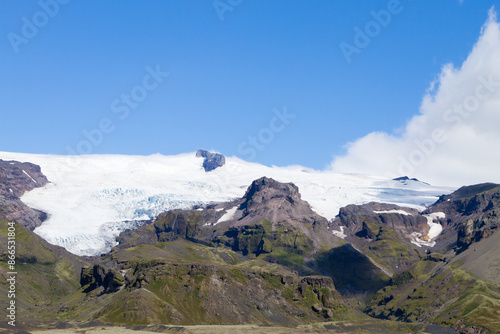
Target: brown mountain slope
(15,179)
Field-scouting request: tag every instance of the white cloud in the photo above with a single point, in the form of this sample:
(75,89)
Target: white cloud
(455,138)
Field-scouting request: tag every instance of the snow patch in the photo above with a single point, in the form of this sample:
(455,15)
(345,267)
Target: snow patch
(228,215)
(32,179)
(340,233)
(435,230)
(401,212)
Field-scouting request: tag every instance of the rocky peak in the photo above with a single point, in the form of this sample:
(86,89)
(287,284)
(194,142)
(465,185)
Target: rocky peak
(470,200)
(473,212)
(405,179)
(362,220)
(265,189)
(273,200)
(16,178)
(212,160)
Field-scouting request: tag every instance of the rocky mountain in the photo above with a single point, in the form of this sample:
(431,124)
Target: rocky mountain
(211,160)
(473,212)
(99,194)
(270,220)
(166,279)
(182,282)
(269,258)
(396,259)
(16,178)
(406,179)
(459,285)
(386,233)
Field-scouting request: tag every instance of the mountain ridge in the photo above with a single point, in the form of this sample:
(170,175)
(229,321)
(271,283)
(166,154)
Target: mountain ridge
(269,243)
(103,191)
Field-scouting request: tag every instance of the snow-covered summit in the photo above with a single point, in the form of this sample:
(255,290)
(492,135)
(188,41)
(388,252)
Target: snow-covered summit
(92,198)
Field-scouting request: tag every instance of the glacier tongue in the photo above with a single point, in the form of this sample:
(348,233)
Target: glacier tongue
(92,198)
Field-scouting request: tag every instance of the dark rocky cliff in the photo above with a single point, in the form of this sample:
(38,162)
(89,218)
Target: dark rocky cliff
(16,178)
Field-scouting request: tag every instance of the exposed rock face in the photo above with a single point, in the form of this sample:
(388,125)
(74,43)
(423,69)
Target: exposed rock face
(212,160)
(473,213)
(469,200)
(15,179)
(405,179)
(383,232)
(271,216)
(275,201)
(200,293)
(178,224)
(97,276)
(352,217)
(18,177)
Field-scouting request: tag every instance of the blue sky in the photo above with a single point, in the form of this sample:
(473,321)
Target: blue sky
(231,68)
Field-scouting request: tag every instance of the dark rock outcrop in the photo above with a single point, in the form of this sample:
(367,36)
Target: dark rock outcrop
(93,277)
(213,293)
(405,179)
(383,232)
(352,217)
(16,178)
(472,213)
(212,160)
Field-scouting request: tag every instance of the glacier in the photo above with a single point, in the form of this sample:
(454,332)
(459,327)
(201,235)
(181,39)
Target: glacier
(92,198)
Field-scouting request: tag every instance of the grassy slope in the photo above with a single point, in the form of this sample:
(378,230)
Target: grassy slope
(182,282)
(388,250)
(441,294)
(351,270)
(45,272)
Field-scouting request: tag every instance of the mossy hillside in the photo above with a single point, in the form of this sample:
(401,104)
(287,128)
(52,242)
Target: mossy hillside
(290,260)
(45,273)
(209,286)
(351,270)
(144,235)
(446,296)
(474,190)
(176,224)
(263,237)
(385,247)
(178,251)
(214,295)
